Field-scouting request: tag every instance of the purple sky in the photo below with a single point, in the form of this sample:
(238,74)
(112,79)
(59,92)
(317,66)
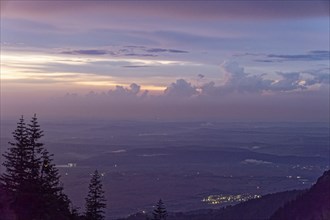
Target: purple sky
(224,60)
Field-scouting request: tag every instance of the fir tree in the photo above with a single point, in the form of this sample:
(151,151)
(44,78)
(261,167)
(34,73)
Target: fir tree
(16,160)
(35,146)
(35,182)
(95,200)
(32,178)
(54,202)
(160,212)
(17,165)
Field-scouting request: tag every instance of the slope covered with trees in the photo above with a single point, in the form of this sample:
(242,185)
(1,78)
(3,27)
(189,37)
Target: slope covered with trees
(311,204)
(255,209)
(314,204)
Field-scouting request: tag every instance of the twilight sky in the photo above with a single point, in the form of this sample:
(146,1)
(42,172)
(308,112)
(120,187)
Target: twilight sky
(225,60)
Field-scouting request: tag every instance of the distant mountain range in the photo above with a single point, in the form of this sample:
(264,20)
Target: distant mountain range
(310,204)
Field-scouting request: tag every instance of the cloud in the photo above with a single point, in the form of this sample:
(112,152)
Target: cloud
(121,91)
(255,162)
(321,76)
(289,82)
(136,66)
(152,155)
(87,52)
(118,151)
(140,55)
(181,102)
(314,55)
(237,80)
(241,96)
(120,94)
(136,51)
(180,88)
(97,52)
(177,51)
(200,76)
(267,61)
(134,88)
(123,50)
(160,50)
(310,56)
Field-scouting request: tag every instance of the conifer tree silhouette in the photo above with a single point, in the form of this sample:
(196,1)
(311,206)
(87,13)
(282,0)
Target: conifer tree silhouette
(31,177)
(95,200)
(160,212)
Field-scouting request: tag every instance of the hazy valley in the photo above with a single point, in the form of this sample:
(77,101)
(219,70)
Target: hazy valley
(190,165)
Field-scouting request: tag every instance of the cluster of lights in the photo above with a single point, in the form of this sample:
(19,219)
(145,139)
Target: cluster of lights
(221,199)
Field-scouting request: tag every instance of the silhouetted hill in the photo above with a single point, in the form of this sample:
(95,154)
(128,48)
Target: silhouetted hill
(261,208)
(311,205)
(254,209)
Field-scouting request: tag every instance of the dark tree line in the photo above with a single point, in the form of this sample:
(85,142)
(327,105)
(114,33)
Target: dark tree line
(33,181)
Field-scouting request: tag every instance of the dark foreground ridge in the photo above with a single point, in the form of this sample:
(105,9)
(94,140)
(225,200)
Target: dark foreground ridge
(311,204)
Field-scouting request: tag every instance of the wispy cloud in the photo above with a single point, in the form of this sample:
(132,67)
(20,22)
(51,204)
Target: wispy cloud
(256,162)
(161,50)
(316,55)
(310,56)
(136,66)
(87,52)
(140,55)
(138,51)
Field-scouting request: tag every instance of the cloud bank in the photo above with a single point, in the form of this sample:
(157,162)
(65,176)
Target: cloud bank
(297,96)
